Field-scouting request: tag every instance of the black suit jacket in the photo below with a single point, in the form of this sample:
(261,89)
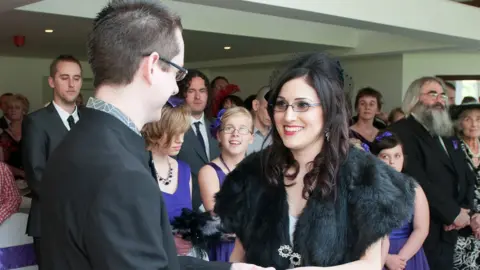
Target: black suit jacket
(445,178)
(3,123)
(101,206)
(42,131)
(193,154)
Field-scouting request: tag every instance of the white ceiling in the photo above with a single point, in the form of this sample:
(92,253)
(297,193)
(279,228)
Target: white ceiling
(70,33)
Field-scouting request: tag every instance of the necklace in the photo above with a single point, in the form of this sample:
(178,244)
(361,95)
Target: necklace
(224,164)
(477,155)
(167,180)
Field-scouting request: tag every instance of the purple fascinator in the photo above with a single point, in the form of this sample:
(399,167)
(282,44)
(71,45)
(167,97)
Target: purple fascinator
(383,135)
(365,147)
(175,101)
(216,125)
(455,144)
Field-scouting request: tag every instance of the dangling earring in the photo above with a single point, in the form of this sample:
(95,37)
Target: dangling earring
(327,135)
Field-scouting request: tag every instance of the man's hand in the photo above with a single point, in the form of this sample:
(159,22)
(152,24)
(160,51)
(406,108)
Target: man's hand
(462,220)
(245,266)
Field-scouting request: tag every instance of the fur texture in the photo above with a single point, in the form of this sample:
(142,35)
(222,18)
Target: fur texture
(372,200)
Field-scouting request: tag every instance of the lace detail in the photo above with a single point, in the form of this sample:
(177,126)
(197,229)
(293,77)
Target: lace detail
(467,252)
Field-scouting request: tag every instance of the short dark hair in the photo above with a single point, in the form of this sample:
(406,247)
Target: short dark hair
(468,99)
(384,140)
(212,85)
(62,58)
(369,92)
(450,85)
(233,99)
(248,102)
(124,32)
(393,113)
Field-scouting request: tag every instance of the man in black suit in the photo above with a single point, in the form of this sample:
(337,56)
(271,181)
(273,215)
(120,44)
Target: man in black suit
(102,207)
(199,145)
(45,128)
(438,164)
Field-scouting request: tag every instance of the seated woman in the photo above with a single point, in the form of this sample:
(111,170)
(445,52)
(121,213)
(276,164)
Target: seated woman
(406,242)
(164,138)
(9,196)
(233,130)
(310,200)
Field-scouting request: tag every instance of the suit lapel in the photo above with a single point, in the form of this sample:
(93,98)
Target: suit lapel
(56,122)
(191,137)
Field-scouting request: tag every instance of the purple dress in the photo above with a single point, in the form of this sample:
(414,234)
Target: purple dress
(222,250)
(181,198)
(398,238)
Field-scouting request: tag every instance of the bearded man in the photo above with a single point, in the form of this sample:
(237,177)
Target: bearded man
(435,160)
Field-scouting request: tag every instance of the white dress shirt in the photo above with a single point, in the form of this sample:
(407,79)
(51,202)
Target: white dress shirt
(203,130)
(64,115)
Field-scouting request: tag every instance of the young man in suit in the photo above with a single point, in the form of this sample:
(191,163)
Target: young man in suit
(102,207)
(200,146)
(45,128)
(438,164)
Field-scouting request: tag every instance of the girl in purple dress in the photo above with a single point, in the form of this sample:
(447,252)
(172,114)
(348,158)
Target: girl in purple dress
(233,129)
(406,242)
(164,139)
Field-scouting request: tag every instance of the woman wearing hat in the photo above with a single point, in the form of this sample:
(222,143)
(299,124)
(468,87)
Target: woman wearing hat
(467,123)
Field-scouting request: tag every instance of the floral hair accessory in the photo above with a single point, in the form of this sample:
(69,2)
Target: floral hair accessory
(216,125)
(383,135)
(175,101)
(455,144)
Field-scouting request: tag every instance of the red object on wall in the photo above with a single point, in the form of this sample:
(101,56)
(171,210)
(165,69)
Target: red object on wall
(19,41)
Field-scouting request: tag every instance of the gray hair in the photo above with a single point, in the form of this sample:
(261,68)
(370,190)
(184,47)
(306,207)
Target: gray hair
(457,123)
(261,93)
(414,90)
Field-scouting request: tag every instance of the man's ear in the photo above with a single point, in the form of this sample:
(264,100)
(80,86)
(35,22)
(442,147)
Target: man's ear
(255,105)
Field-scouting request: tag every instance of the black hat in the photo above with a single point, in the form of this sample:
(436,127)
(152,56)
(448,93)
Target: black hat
(459,109)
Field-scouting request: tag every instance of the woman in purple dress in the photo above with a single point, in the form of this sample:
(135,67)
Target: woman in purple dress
(164,139)
(233,129)
(406,242)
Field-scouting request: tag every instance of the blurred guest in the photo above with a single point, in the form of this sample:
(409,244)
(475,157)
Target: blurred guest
(4,120)
(450,93)
(468,99)
(248,102)
(10,139)
(218,83)
(9,196)
(368,103)
(261,121)
(467,121)
(232,101)
(395,115)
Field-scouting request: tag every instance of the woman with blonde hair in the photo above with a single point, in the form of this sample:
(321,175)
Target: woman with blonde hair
(233,129)
(164,139)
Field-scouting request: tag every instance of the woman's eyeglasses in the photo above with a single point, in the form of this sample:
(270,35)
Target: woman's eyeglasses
(298,106)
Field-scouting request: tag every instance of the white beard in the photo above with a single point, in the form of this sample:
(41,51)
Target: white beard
(436,120)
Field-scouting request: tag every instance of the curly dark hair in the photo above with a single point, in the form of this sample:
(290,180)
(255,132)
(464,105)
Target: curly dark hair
(324,74)
(184,84)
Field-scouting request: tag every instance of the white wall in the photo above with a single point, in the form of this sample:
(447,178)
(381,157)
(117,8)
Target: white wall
(383,73)
(427,64)
(25,76)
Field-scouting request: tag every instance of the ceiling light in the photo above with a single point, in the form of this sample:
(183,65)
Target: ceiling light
(48,30)
(227,47)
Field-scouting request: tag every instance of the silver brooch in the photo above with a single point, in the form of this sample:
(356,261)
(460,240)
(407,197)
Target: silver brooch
(286,251)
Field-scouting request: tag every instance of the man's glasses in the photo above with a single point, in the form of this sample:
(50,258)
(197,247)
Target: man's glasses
(298,106)
(181,73)
(435,95)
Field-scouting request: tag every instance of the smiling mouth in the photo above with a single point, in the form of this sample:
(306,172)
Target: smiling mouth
(234,142)
(289,131)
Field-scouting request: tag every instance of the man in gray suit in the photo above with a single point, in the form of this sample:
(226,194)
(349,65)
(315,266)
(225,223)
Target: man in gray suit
(199,146)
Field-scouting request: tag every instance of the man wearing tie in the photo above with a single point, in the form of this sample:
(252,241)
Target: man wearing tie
(45,128)
(200,146)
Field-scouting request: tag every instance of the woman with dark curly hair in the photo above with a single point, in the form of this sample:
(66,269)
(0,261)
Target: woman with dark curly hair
(310,200)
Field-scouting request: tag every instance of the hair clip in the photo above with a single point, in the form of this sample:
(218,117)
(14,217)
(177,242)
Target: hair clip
(365,147)
(383,135)
(216,125)
(175,101)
